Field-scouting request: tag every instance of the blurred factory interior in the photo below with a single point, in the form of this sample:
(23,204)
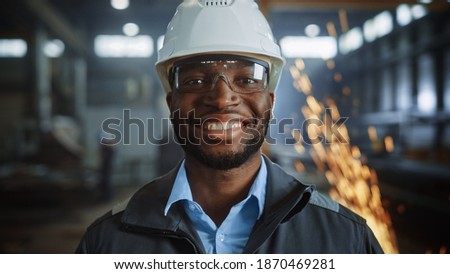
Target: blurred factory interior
(73,70)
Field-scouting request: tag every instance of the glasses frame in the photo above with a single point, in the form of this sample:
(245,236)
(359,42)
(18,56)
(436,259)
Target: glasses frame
(217,57)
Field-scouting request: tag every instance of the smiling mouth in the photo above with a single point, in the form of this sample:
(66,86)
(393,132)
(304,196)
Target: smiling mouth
(222,126)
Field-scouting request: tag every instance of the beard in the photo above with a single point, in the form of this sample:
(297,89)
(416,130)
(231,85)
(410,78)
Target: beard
(228,159)
(224,160)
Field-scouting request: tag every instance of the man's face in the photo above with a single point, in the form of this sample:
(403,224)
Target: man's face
(220,110)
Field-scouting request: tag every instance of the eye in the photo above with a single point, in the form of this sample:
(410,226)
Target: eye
(248,81)
(194,82)
(245,82)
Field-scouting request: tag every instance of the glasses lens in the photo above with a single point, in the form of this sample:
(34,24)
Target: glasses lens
(242,76)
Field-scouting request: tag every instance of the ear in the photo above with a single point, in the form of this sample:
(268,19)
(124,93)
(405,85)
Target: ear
(272,97)
(272,102)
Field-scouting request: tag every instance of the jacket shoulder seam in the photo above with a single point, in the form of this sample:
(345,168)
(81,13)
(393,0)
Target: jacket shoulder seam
(322,201)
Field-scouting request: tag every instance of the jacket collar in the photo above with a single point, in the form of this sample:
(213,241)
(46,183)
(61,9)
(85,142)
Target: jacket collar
(285,197)
(150,201)
(284,192)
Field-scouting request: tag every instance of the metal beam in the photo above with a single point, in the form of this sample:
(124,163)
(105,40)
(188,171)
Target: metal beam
(57,24)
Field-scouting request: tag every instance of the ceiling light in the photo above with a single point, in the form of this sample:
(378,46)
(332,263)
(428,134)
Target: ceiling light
(308,47)
(54,48)
(312,30)
(404,16)
(351,40)
(13,48)
(379,26)
(418,11)
(130,29)
(120,4)
(123,46)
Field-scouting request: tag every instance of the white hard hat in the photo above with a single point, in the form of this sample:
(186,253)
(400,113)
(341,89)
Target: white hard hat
(219,26)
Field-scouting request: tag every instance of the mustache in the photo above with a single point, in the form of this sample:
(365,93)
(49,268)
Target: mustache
(194,118)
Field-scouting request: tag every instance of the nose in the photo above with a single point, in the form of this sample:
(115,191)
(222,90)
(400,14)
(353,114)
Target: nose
(221,95)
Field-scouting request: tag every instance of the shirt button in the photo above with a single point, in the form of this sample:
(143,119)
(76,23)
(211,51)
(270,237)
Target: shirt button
(222,237)
(192,207)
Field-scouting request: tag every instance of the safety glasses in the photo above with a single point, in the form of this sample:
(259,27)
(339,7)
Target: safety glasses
(201,74)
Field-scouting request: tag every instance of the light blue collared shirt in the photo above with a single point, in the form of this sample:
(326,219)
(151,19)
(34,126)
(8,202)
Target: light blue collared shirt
(232,235)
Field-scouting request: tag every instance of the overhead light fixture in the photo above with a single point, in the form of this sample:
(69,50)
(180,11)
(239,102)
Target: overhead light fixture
(351,40)
(312,30)
(404,15)
(120,46)
(13,48)
(54,48)
(120,4)
(308,47)
(407,13)
(130,29)
(418,11)
(379,26)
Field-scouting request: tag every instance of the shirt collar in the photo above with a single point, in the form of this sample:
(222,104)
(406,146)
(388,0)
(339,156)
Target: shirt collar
(182,191)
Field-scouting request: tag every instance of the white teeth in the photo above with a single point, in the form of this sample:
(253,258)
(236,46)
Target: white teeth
(220,126)
(215,126)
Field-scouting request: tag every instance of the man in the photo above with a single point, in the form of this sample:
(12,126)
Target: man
(220,67)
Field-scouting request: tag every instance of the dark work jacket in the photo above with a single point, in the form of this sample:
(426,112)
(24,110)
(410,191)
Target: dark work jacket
(296,219)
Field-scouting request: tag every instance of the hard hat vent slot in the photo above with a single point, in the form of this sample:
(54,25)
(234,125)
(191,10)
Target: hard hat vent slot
(216,3)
